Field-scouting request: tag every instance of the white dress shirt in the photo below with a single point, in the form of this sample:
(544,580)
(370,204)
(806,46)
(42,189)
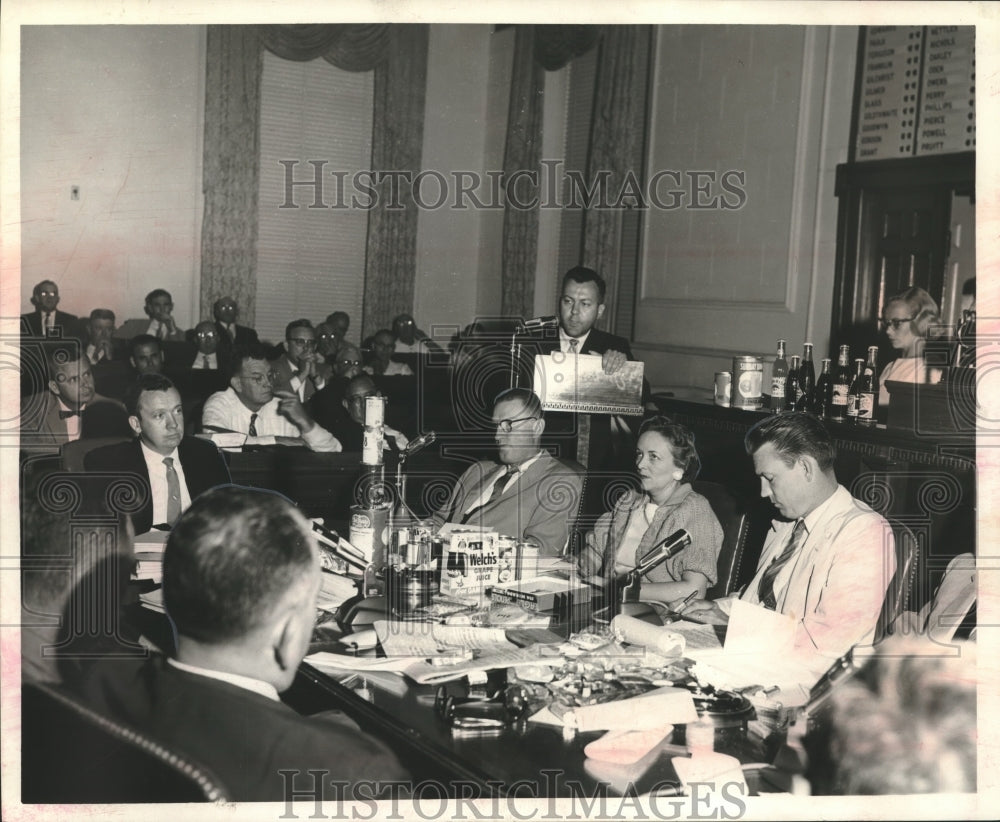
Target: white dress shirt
(299,384)
(200,362)
(258,686)
(73,422)
(225,411)
(564,339)
(158,481)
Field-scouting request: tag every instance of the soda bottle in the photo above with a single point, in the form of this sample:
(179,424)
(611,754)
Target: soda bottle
(823,394)
(779,376)
(868,394)
(807,378)
(854,392)
(792,383)
(841,385)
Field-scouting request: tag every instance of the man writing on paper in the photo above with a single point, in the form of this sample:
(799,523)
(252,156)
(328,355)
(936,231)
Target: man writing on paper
(252,407)
(527,494)
(241,575)
(828,562)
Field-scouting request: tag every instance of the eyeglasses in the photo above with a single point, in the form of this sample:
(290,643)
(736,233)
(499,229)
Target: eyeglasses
(261,379)
(897,323)
(205,334)
(508,425)
(348,363)
(304,343)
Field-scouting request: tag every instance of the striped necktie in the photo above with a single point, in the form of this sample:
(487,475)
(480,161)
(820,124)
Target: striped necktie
(253,426)
(765,592)
(495,494)
(173,491)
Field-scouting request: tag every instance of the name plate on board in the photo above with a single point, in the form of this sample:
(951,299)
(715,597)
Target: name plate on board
(577,382)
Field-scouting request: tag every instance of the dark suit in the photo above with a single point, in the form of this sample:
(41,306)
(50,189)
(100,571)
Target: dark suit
(542,504)
(42,429)
(135,327)
(607,452)
(283,379)
(31,324)
(243,737)
(244,335)
(202,462)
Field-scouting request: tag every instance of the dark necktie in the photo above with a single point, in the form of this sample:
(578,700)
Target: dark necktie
(496,493)
(47,325)
(204,361)
(173,491)
(65,415)
(765,593)
(253,426)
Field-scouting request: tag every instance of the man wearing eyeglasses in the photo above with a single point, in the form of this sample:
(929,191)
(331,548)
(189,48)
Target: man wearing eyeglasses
(160,322)
(252,406)
(348,421)
(526,494)
(45,319)
(301,370)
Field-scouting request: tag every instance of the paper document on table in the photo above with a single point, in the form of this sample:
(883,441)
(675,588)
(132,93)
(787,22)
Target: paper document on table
(754,629)
(343,662)
(152,542)
(428,673)
(429,639)
(668,705)
(577,382)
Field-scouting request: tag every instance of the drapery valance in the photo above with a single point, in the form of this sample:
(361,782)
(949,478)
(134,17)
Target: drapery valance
(348,46)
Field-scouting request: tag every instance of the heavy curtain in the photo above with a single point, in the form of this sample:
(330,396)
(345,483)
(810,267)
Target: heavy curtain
(536,49)
(234,63)
(398,55)
(616,146)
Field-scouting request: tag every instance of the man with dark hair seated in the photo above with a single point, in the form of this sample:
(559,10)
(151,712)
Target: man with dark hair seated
(241,576)
(173,467)
(145,353)
(349,424)
(159,322)
(253,407)
(70,408)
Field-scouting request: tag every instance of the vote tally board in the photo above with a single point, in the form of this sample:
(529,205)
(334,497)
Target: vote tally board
(916,92)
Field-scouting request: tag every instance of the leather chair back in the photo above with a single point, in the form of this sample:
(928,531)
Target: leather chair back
(897,595)
(72,754)
(734,519)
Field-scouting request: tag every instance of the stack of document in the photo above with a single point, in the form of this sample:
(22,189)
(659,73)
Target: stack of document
(153,600)
(149,555)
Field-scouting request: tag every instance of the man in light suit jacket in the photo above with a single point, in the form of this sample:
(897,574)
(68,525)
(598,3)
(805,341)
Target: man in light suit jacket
(45,320)
(160,322)
(528,494)
(157,418)
(70,408)
(830,558)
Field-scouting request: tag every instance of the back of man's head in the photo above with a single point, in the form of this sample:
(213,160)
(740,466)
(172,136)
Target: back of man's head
(230,560)
(794,435)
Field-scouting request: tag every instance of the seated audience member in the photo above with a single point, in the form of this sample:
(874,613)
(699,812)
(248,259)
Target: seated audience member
(410,339)
(528,494)
(666,461)
(348,361)
(241,575)
(382,363)
(66,591)
(226,313)
(905,723)
(207,355)
(351,424)
(828,561)
(300,370)
(46,320)
(98,337)
(174,467)
(70,408)
(964,355)
(251,406)
(159,322)
(341,322)
(327,341)
(907,319)
(145,353)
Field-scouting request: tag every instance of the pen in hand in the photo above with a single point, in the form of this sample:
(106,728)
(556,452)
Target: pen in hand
(685,602)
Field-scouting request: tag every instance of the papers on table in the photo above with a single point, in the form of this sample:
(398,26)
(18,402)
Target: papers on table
(668,705)
(334,590)
(428,640)
(153,600)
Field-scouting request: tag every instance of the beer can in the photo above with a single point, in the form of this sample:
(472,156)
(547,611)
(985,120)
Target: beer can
(374,412)
(723,383)
(369,532)
(371,446)
(748,376)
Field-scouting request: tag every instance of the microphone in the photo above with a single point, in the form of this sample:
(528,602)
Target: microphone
(539,322)
(420,442)
(662,551)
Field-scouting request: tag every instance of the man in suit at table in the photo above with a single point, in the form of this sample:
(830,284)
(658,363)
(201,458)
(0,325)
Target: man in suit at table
(527,494)
(828,560)
(347,420)
(159,322)
(70,408)
(241,575)
(175,468)
(46,320)
(580,307)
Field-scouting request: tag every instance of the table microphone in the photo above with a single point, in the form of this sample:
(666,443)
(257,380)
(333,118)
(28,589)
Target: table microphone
(539,322)
(662,551)
(420,442)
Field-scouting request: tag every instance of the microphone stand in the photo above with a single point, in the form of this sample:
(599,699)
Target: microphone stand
(625,586)
(515,358)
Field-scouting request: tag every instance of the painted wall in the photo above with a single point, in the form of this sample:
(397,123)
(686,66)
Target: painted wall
(771,104)
(117,112)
